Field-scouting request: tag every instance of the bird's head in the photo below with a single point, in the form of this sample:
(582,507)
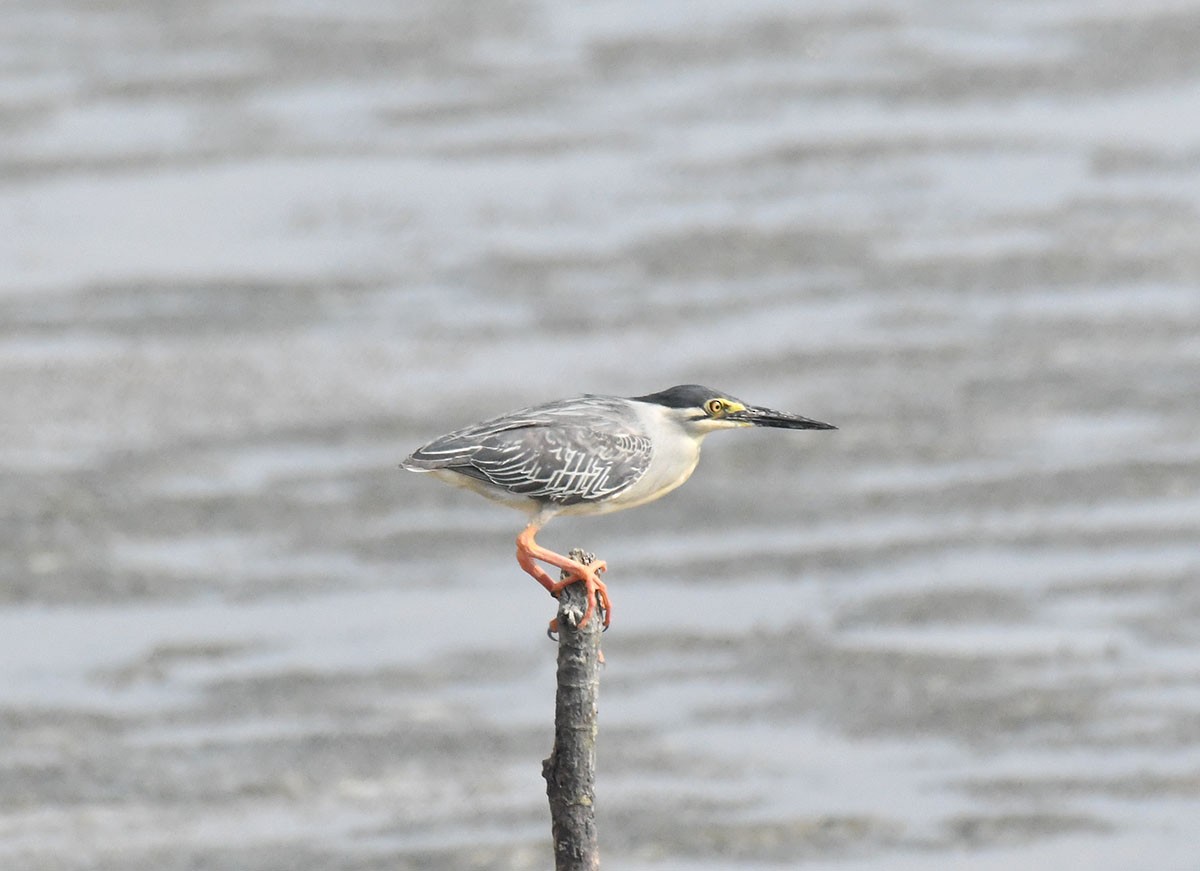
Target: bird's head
(701,410)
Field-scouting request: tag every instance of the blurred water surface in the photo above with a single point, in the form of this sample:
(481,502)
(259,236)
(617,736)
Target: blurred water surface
(254,252)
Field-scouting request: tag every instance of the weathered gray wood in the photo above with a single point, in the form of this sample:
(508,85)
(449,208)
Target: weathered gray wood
(570,771)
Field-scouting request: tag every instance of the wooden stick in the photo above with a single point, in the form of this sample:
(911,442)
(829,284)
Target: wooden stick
(570,771)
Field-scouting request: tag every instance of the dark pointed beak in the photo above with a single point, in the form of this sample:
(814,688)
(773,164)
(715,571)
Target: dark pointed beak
(779,419)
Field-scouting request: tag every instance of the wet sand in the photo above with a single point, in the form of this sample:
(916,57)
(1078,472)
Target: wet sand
(256,252)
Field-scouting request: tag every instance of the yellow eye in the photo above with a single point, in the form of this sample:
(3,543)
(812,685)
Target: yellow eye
(714,407)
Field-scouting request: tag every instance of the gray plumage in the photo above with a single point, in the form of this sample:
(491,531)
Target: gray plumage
(589,455)
(563,453)
(592,454)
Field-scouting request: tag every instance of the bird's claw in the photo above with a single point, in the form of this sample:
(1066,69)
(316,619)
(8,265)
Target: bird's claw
(595,589)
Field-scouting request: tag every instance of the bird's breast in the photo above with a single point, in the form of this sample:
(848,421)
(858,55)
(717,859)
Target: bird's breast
(673,461)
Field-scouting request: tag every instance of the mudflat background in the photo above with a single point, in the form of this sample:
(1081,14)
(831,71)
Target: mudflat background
(254,252)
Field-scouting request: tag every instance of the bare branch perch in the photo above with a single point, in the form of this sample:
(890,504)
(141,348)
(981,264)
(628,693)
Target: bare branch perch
(570,771)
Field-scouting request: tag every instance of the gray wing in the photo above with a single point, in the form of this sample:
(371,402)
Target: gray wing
(576,451)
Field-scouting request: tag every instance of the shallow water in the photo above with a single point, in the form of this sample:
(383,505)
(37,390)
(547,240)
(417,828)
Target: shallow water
(254,253)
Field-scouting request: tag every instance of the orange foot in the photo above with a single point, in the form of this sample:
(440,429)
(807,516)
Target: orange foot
(594,588)
(529,550)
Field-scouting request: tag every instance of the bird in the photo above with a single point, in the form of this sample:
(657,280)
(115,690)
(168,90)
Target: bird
(591,454)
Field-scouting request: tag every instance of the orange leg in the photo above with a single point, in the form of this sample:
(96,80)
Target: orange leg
(529,550)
